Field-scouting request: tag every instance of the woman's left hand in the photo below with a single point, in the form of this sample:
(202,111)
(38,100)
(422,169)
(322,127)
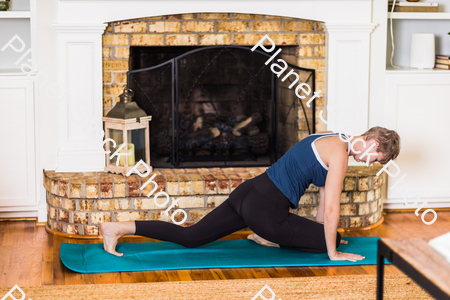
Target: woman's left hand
(344,242)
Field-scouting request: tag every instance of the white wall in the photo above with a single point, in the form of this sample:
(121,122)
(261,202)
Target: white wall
(45,98)
(377,66)
(48,106)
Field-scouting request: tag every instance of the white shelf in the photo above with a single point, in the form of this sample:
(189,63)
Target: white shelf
(19,14)
(420,15)
(16,72)
(408,70)
(10,72)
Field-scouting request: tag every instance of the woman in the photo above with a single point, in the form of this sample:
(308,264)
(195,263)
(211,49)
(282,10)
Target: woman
(263,203)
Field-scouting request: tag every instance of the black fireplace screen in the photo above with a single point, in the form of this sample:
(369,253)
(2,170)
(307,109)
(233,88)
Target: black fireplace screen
(217,106)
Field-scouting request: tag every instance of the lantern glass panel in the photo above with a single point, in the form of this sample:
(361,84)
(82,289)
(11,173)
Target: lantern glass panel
(137,138)
(117,136)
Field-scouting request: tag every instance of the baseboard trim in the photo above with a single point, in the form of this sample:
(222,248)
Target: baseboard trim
(411,210)
(434,203)
(14,219)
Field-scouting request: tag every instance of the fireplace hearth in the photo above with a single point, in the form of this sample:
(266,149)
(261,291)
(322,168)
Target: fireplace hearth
(215,106)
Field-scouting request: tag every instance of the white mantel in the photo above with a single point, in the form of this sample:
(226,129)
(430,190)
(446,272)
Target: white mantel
(81,24)
(333,11)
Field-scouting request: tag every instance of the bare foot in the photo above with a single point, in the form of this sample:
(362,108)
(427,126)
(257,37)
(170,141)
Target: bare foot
(259,240)
(111,233)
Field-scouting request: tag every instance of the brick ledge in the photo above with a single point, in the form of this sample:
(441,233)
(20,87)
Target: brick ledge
(77,203)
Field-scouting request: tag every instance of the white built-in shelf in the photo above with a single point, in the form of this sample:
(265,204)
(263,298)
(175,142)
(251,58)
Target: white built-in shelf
(420,15)
(408,70)
(14,72)
(19,14)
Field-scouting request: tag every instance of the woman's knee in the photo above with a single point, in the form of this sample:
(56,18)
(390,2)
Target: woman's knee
(192,236)
(313,248)
(338,239)
(324,248)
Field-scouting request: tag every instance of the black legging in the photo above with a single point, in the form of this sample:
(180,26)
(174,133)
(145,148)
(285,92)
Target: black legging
(256,203)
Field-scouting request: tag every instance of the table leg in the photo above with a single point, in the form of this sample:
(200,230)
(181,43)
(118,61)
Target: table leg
(380,273)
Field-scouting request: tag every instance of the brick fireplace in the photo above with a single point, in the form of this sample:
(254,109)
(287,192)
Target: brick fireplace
(303,44)
(206,29)
(94,46)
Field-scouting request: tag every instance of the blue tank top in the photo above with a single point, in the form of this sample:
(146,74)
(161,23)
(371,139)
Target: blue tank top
(299,167)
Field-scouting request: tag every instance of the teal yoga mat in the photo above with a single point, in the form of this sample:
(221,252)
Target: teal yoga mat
(92,258)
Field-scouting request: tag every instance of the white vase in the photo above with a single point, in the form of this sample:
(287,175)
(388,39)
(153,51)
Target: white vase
(422,53)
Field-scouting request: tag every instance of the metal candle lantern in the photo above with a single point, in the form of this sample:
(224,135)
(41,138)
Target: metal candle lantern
(127,125)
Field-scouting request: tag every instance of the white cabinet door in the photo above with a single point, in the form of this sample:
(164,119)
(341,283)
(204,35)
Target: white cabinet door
(17,144)
(417,108)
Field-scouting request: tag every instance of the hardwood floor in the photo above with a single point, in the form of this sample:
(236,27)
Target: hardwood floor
(30,257)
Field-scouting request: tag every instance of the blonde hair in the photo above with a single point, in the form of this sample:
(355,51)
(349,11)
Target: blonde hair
(388,140)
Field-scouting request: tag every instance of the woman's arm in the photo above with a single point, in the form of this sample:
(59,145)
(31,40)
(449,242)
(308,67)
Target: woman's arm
(319,216)
(333,188)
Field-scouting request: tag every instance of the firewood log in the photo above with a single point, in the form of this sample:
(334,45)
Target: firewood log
(259,143)
(242,127)
(253,130)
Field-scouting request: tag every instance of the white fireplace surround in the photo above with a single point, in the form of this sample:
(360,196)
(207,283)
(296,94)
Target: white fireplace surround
(81,23)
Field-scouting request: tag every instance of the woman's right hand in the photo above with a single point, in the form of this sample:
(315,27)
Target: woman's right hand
(345,256)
